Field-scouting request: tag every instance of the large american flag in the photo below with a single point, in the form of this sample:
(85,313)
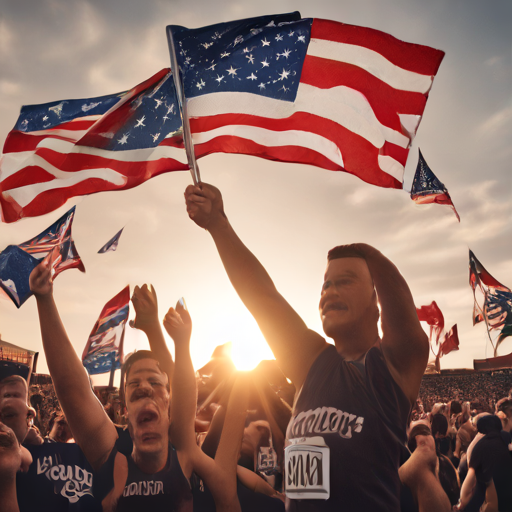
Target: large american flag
(318,92)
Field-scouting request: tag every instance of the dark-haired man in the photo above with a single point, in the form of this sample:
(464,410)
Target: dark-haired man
(56,478)
(155,474)
(349,420)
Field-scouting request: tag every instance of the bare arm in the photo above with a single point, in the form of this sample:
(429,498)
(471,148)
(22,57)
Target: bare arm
(145,303)
(467,489)
(91,427)
(419,475)
(293,344)
(404,343)
(219,474)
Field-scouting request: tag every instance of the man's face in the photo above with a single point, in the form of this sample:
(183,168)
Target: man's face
(147,404)
(348,297)
(60,431)
(14,410)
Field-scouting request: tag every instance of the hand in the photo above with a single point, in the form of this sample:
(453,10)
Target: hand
(178,324)
(204,205)
(145,303)
(41,281)
(10,453)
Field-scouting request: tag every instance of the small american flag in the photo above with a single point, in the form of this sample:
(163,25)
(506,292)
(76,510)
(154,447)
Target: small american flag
(18,261)
(104,349)
(112,244)
(426,187)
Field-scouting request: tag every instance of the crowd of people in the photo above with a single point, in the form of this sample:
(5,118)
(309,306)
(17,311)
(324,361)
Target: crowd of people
(482,388)
(349,426)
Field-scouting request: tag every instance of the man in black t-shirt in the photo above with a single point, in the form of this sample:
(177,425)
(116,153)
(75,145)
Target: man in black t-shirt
(490,464)
(349,419)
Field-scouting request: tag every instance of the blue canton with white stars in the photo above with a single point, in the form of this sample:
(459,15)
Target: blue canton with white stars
(49,115)
(425,181)
(150,118)
(262,56)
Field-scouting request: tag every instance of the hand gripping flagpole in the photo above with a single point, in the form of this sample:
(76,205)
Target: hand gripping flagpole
(182,104)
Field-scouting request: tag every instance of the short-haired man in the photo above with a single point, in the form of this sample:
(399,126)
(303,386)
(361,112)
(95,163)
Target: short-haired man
(349,421)
(155,475)
(59,478)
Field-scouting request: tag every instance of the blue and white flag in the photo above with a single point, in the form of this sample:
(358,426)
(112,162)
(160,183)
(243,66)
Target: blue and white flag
(112,244)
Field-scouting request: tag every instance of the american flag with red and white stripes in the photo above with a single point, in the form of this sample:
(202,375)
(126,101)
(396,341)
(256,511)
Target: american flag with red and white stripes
(309,91)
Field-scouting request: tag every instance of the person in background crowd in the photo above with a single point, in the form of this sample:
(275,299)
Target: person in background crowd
(59,429)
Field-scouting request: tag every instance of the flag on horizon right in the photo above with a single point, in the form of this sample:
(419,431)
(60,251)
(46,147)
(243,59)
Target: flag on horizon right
(495,307)
(310,91)
(426,187)
(104,348)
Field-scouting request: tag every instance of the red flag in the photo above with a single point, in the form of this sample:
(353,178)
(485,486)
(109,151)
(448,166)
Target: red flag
(450,342)
(433,316)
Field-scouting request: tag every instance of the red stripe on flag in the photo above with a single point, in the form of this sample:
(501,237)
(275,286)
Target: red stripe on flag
(17,142)
(385,101)
(412,57)
(26,176)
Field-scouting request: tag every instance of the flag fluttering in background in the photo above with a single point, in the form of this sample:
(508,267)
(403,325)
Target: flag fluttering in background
(71,148)
(112,244)
(450,342)
(18,261)
(492,301)
(104,349)
(433,316)
(311,91)
(426,187)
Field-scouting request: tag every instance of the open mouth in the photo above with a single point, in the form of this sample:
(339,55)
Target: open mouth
(147,416)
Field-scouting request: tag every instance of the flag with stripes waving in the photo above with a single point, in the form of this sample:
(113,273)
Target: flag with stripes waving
(310,91)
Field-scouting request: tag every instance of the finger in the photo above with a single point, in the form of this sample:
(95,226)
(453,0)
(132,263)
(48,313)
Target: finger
(197,199)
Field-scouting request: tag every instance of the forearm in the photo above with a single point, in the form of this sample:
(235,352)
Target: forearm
(184,400)
(394,294)
(91,427)
(158,346)
(246,273)
(8,499)
(68,374)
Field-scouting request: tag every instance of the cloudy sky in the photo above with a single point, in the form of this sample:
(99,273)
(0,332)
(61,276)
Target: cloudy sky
(289,215)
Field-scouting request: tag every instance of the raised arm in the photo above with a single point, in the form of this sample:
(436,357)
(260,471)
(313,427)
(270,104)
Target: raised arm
(404,343)
(145,303)
(91,427)
(178,324)
(294,346)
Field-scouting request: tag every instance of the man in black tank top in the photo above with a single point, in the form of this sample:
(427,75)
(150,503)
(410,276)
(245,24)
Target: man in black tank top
(348,425)
(154,476)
